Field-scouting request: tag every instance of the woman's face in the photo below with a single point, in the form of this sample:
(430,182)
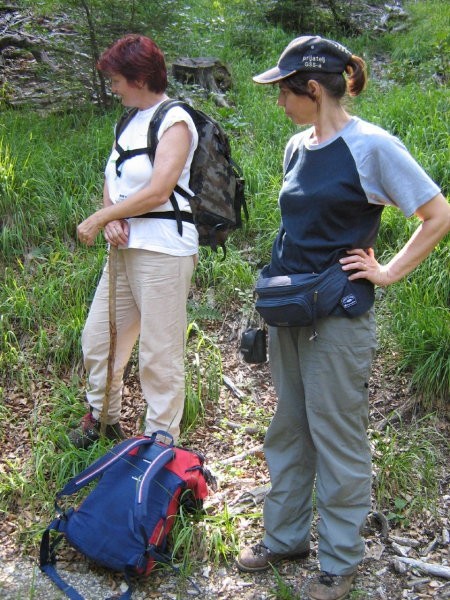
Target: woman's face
(302,110)
(129,93)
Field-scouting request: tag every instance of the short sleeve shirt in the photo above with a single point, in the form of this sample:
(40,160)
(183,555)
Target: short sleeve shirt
(158,235)
(333,194)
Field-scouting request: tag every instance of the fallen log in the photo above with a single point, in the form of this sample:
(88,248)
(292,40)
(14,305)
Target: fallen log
(428,568)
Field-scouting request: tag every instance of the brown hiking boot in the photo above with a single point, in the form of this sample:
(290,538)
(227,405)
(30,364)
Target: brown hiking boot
(327,586)
(89,432)
(260,558)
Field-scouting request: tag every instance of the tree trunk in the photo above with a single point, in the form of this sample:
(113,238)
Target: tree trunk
(209,73)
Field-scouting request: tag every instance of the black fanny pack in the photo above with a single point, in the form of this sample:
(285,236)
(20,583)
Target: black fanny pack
(298,300)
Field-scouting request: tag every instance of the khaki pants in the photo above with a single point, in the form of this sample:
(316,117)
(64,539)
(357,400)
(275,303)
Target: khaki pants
(318,438)
(152,290)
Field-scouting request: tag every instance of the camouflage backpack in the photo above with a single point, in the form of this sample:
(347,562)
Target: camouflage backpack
(215,179)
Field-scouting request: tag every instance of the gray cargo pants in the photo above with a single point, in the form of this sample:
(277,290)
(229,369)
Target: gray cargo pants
(318,436)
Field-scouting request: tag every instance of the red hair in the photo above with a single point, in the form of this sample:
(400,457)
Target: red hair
(137,58)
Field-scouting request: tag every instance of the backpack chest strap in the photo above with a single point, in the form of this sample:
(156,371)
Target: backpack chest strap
(126,154)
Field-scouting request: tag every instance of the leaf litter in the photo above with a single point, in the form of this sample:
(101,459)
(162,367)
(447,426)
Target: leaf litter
(231,438)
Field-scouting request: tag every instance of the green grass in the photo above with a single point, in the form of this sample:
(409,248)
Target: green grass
(415,320)
(54,179)
(204,539)
(203,376)
(406,465)
(282,590)
(423,51)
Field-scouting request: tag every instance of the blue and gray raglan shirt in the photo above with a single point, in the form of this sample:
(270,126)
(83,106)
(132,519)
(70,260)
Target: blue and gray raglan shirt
(333,194)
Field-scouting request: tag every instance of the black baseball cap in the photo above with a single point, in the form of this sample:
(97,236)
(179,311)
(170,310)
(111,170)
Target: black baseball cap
(310,53)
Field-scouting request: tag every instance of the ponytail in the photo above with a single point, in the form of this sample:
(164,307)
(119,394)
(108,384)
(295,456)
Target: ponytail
(356,75)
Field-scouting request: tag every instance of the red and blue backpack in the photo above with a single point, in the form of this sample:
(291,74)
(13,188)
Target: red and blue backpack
(123,523)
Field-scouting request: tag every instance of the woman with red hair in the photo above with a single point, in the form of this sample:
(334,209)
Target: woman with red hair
(155,263)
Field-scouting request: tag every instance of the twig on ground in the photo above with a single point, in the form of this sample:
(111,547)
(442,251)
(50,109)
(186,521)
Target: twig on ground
(429,568)
(396,415)
(254,496)
(241,456)
(230,385)
(249,429)
(384,524)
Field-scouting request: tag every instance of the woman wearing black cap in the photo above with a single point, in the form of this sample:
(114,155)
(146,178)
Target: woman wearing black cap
(338,176)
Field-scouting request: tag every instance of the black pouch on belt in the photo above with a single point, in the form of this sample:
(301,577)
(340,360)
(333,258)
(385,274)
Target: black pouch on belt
(254,345)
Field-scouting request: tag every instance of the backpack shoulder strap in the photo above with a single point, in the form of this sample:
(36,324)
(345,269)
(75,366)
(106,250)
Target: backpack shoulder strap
(157,119)
(152,471)
(152,143)
(120,127)
(49,568)
(122,123)
(70,592)
(47,559)
(103,463)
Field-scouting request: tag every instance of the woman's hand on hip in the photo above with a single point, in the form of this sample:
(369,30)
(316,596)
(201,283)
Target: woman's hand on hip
(365,266)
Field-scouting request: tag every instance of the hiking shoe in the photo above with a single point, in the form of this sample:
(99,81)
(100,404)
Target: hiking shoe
(260,558)
(89,432)
(327,586)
